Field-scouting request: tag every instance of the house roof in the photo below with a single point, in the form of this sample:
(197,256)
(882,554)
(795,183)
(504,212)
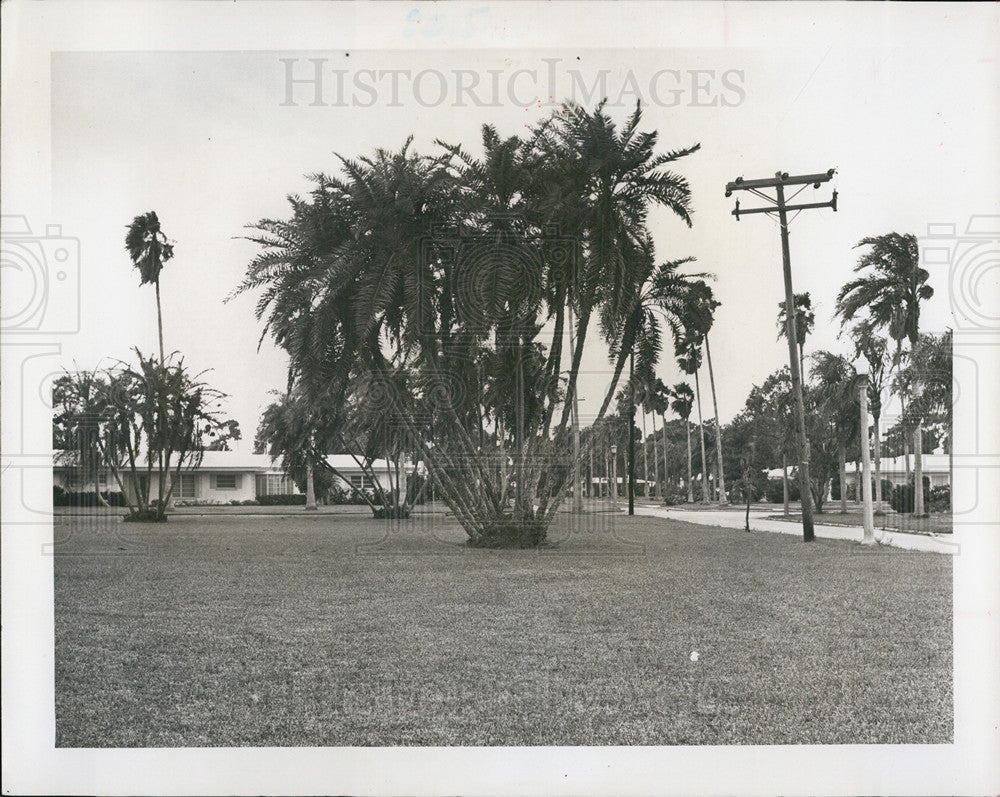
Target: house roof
(234,461)
(929,463)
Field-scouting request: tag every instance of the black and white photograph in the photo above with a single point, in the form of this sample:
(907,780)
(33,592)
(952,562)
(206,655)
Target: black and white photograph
(516,398)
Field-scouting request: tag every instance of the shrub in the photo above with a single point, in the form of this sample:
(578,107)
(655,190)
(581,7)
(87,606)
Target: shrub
(903,496)
(149,516)
(674,494)
(939,499)
(391,512)
(775,492)
(296,499)
(61,497)
(336,495)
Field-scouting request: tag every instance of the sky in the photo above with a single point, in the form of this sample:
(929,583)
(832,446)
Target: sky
(214,141)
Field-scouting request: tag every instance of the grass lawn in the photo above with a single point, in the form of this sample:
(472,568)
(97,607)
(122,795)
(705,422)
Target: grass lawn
(337,630)
(937,523)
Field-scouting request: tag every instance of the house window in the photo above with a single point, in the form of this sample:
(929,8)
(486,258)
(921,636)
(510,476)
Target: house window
(185,489)
(227,481)
(361,481)
(278,484)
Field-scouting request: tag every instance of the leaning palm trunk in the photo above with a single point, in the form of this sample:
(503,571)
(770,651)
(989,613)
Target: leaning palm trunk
(718,429)
(701,439)
(493,511)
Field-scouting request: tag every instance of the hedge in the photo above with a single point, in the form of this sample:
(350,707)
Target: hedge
(296,499)
(61,497)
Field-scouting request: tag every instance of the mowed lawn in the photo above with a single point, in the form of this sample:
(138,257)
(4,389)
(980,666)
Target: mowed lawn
(335,630)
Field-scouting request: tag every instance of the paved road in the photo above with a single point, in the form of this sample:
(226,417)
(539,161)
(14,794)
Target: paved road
(759,522)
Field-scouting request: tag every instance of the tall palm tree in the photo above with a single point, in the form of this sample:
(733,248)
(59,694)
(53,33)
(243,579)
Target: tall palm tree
(682,402)
(705,316)
(661,292)
(868,343)
(149,250)
(688,352)
(835,382)
(805,320)
(889,289)
(661,403)
(614,176)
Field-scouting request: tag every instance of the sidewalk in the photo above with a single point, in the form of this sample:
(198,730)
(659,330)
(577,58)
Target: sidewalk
(759,522)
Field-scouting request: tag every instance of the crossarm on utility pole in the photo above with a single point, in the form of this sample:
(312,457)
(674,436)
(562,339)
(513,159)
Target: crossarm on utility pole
(781,178)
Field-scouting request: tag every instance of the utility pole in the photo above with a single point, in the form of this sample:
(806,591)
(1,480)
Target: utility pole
(631,434)
(779,205)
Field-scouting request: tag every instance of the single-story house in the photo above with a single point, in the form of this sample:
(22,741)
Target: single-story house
(226,476)
(936,467)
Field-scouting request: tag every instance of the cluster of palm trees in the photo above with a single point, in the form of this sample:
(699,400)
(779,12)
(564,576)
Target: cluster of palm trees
(129,419)
(453,283)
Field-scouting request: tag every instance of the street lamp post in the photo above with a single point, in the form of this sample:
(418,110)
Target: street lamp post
(614,478)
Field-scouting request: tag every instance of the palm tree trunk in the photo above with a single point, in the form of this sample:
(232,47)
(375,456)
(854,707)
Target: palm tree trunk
(310,488)
(656,461)
(666,469)
(842,467)
(906,441)
(645,456)
(918,470)
(701,439)
(159,317)
(784,479)
(583,319)
(878,466)
(687,427)
(590,480)
(718,428)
